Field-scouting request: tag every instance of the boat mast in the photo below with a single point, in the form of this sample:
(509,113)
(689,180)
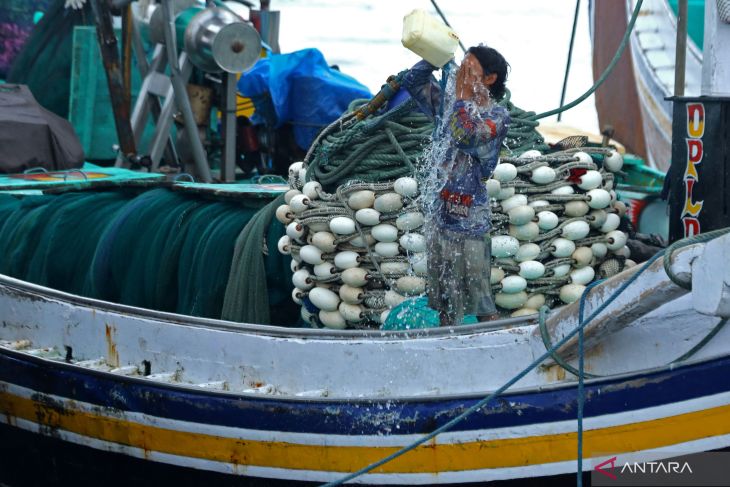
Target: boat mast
(716,62)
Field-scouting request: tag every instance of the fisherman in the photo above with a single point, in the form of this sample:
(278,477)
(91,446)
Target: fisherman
(469,133)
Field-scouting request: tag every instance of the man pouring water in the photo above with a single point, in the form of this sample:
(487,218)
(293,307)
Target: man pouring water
(470,128)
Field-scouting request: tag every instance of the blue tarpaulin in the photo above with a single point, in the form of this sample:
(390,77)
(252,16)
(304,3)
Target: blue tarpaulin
(303,90)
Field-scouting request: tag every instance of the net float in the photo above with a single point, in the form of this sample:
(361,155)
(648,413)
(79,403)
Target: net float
(394,267)
(388,202)
(582,276)
(299,203)
(613,161)
(409,221)
(504,246)
(612,222)
(576,208)
(523,312)
(521,215)
(504,172)
(325,269)
(387,249)
(596,218)
(363,243)
(355,276)
(510,301)
(543,175)
(342,225)
(324,299)
(419,262)
(411,285)
(563,190)
(528,251)
(599,250)
(392,298)
(303,174)
(295,167)
(324,241)
(383,316)
(347,259)
(284,214)
(368,216)
(319,227)
(535,301)
(302,279)
(351,294)
(294,265)
(284,245)
(384,232)
(513,202)
(361,199)
(406,186)
(571,293)
(576,230)
(530,154)
(561,270)
(525,232)
(623,252)
(297,295)
(620,207)
(616,240)
(333,319)
(547,220)
(532,269)
(496,275)
(493,187)
(413,242)
(311,255)
(598,198)
(295,230)
(538,203)
(311,190)
(590,180)
(290,194)
(583,157)
(628,264)
(562,247)
(505,193)
(582,257)
(352,312)
(513,284)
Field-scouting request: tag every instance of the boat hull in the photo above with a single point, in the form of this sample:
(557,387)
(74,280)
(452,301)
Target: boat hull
(524,434)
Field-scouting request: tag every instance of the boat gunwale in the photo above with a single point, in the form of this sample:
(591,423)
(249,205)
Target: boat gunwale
(274,331)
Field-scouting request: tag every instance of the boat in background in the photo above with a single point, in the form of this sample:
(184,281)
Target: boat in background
(633,99)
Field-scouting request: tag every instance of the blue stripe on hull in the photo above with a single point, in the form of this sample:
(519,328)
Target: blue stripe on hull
(358,417)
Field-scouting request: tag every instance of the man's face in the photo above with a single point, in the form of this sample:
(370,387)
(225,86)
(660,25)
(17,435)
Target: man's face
(471,82)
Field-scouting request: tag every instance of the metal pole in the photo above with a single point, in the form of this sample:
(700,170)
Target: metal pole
(681,53)
(228,164)
(443,17)
(181,95)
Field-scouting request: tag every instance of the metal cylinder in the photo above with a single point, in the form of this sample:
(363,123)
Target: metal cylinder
(217,40)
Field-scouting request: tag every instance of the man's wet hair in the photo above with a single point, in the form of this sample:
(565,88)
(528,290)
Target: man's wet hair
(492,62)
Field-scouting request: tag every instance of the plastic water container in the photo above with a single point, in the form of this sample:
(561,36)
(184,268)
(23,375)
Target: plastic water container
(428,37)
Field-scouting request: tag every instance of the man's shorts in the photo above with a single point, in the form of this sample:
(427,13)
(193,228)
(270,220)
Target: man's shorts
(459,268)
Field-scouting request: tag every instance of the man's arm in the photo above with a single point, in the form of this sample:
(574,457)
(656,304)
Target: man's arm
(419,82)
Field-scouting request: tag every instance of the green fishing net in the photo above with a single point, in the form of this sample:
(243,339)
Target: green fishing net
(157,249)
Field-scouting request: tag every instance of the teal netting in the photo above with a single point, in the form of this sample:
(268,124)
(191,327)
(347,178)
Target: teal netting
(159,250)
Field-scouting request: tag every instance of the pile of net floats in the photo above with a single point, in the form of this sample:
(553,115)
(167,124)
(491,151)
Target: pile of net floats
(360,251)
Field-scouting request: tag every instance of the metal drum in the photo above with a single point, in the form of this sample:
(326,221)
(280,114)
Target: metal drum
(216,40)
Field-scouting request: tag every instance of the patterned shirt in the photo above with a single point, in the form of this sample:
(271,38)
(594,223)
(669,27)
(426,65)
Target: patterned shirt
(476,135)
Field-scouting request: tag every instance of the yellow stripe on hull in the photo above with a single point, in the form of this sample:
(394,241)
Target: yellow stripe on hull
(429,458)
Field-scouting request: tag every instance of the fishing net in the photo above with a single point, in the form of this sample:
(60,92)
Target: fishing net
(159,249)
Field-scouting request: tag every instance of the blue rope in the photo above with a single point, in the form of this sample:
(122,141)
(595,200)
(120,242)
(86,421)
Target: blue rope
(476,407)
(581,379)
